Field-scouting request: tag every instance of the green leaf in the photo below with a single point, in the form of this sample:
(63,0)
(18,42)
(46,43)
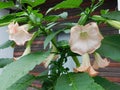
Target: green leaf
(33,3)
(76,81)
(68,4)
(6,44)
(23,83)
(50,37)
(16,70)
(5,61)
(115,15)
(6,4)
(50,25)
(35,17)
(5,20)
(51,18)
(106,84)
(110,47)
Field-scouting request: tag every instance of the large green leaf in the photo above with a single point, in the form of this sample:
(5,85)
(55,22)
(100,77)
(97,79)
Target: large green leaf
(16,70)
(23,83)
(68,4)
(110,47)
(33,3)
(5,61)
(6,44)
(115,15)
(6,4)
(76,81)
(106,84)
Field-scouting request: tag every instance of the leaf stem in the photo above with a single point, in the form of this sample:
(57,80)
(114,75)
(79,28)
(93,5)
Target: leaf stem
(75,59)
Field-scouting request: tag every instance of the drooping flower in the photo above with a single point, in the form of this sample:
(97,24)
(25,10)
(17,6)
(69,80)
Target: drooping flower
(86,66)
(85,39)
(99,62)
(19,34)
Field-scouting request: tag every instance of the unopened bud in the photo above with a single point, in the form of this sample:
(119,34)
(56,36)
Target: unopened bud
(113,23)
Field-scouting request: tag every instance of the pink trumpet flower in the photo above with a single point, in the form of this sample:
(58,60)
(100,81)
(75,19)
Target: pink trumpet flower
(19,34)
(85,39)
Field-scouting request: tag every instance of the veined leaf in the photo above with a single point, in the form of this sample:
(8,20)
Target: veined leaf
(5,61)
(76,81)
(6,4)
(115,15)
(6,44)
(16,70)
(33,3)
(106,84)
(110,47)
(68,4)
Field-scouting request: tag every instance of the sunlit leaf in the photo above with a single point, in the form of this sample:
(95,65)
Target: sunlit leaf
(5,20)
(6,4)
(68,4)
(33,3)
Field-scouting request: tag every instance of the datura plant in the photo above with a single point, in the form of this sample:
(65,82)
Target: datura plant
(88,48)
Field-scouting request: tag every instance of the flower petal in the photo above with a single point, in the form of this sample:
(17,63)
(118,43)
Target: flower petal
(85,39)
(99,62)
(13,27)
(92,72)
(85,64)
(18,33)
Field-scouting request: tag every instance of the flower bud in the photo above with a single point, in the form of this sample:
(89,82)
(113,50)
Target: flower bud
(113,23)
